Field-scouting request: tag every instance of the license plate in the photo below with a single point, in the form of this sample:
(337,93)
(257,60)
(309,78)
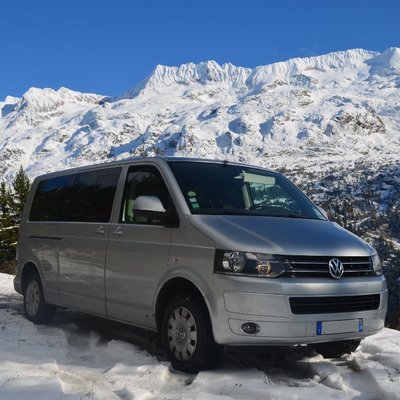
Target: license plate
(342,326)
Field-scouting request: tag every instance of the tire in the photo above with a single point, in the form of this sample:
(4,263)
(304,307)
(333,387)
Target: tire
(187,335)
(336,349)
(35,307)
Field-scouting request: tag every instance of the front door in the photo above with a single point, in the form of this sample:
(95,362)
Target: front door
(138,250)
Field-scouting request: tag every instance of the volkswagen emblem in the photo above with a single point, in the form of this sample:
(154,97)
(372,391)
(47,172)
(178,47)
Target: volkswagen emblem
(336,268)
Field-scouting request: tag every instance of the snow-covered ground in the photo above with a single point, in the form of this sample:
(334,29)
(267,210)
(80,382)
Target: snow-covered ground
(82,357)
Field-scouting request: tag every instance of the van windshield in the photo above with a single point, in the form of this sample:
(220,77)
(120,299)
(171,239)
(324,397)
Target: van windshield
(227,189)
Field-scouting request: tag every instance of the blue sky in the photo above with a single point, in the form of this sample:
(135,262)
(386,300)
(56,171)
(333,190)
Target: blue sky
(107,47)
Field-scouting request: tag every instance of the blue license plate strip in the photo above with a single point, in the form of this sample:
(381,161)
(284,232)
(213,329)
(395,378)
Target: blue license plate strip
(319,331)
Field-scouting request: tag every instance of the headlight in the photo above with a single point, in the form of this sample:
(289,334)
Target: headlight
(248,264)
(377,265)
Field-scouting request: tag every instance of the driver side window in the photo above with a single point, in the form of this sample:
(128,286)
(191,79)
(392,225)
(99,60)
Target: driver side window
(142,181)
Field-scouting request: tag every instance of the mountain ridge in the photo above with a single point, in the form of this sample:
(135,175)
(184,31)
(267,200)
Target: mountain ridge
(337,108)
(211,71)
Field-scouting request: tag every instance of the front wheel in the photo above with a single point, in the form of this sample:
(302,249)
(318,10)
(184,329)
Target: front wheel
(35,306)
(187,335)
(336,349)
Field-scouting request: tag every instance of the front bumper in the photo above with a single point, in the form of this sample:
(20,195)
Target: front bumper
(266,303)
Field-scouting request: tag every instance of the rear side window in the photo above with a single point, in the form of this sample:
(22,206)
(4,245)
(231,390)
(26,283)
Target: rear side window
(82,197)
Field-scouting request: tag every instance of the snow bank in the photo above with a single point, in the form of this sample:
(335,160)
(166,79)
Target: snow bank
(81,357)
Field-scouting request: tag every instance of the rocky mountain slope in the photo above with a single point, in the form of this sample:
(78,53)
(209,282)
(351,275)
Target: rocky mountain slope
(337,109)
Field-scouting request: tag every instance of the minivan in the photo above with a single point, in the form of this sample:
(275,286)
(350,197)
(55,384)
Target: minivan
(207,253)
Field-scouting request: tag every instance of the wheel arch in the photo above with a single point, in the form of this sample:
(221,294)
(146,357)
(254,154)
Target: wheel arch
(29,269)
(174,287)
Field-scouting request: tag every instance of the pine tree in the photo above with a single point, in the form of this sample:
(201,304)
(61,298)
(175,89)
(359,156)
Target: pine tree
(5,221)
(5,199)
(21,187)
(12,201)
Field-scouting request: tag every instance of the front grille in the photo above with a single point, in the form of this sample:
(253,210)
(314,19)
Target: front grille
(335,304)
(318,266)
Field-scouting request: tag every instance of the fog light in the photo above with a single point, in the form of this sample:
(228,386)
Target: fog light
(250,328)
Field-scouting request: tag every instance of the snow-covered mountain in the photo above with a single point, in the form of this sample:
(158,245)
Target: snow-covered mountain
(335,109)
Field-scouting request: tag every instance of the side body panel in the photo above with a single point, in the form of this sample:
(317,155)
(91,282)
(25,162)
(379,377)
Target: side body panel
(39,244)
(192,258)
(137,256)
(81,266)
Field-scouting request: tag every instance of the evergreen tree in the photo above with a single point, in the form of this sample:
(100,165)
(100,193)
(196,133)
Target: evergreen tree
(21,187)
(5,221)
(12,202)
(5,199)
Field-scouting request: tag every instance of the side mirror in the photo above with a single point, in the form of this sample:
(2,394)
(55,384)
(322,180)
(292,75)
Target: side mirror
(148,203)
(152,208)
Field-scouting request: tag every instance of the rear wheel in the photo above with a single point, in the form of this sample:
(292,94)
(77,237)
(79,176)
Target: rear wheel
(336,349)
(187,335)
(35,306)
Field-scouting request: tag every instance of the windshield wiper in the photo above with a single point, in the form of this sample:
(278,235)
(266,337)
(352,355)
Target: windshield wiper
(219,211)
(296,216)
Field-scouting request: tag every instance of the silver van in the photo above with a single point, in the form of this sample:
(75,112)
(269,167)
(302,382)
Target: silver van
(207,253)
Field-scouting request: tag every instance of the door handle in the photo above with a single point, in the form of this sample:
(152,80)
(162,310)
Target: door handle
(100,230)
(118,231)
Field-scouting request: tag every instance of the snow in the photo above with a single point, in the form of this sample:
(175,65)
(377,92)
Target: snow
(82,357)
(329,111)
(386,63)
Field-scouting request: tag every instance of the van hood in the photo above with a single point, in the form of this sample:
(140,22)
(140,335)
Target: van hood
(277,235)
